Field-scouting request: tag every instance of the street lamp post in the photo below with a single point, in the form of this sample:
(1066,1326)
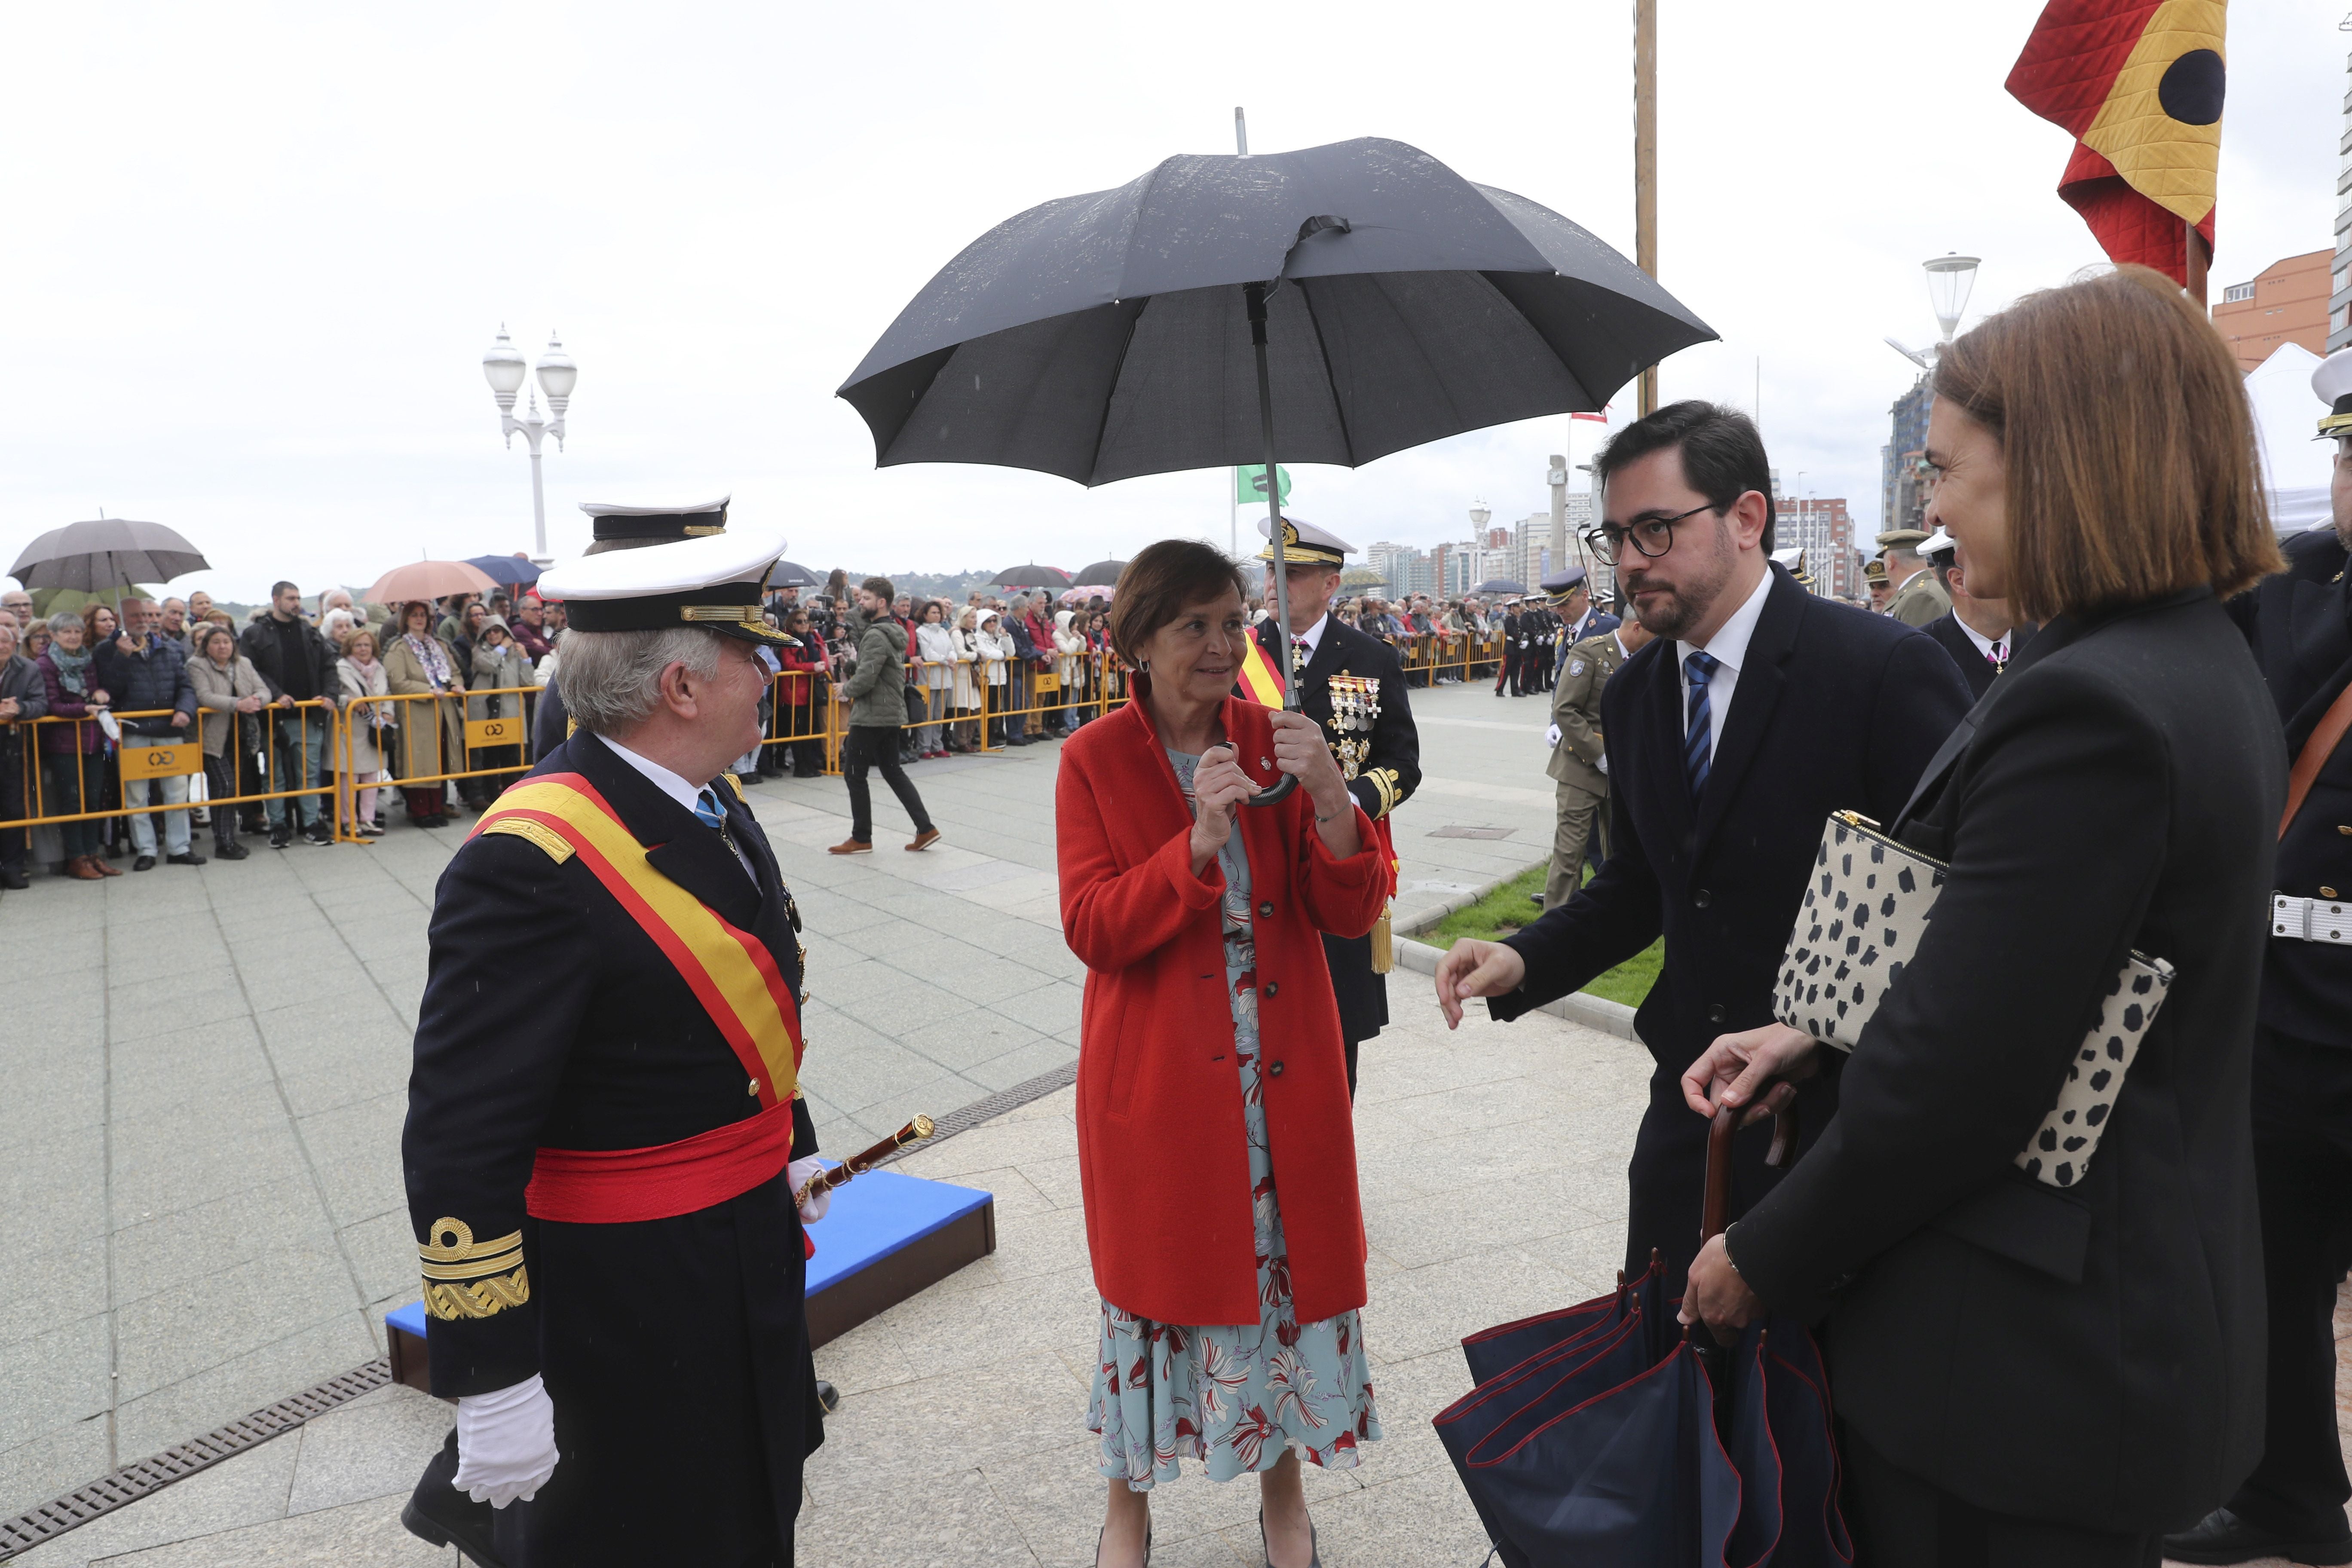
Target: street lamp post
(502,367)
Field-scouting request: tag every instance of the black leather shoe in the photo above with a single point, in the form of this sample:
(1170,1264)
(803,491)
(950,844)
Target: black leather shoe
(438,1512)
(144,863)
(184,858)
(828,1398)
(230,852)
(2222,1537)
(15,881)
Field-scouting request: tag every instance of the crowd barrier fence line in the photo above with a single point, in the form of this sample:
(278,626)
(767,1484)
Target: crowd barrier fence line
(1008,691)
(136,758)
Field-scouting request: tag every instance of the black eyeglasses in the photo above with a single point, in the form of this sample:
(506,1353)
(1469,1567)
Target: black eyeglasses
(1652,536)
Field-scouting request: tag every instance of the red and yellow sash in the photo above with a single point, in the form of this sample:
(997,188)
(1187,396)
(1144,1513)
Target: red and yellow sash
(1260,678)
(733,975)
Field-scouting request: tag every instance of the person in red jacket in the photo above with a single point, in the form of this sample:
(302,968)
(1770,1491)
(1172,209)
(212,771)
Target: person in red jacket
(1215,1147)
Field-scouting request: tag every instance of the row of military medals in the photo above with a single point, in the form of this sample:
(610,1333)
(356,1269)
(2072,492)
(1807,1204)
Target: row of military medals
(1355,706)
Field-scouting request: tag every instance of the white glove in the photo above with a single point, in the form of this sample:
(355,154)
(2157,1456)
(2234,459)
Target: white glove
(506,1443)
(1603,764)
(800,1173)
(1551,737)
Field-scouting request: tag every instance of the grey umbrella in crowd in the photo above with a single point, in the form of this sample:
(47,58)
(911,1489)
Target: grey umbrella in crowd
(1100,572)
(1362,297)
(106,552)
(1501,585)
(1032,576)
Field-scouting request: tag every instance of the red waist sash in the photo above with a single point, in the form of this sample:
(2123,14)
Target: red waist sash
(620,1186)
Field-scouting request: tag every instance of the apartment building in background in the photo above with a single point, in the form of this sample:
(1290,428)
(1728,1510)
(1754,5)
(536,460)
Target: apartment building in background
(1902,462)
(2285,303)
(1825,529)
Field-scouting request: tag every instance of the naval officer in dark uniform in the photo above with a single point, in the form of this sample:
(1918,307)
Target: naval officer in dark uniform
(620,528)
(605,1132)
(1980,634)
(1353,685)
(2300,623)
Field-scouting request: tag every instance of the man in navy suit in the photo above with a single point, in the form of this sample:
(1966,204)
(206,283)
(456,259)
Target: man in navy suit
(1758,709)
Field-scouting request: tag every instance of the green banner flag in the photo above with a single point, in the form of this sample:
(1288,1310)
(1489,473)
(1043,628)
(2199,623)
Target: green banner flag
(1249,483)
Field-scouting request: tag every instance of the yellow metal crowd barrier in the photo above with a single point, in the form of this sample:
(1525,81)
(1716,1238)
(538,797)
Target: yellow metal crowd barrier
(45,788)
(428,740)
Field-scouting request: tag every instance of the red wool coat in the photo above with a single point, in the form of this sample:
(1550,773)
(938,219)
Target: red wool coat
(1162,1157)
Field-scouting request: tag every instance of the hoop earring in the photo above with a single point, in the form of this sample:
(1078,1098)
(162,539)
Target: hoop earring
(1143,667)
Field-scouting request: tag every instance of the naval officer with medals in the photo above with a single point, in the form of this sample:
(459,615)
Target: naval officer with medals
(605,1132)
(619,528)
(1353,686)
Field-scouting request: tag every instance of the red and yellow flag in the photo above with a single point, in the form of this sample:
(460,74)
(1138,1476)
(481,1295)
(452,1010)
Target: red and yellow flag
(2138,84)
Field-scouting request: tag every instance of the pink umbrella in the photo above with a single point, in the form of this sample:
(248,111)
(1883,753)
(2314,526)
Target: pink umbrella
(428,580)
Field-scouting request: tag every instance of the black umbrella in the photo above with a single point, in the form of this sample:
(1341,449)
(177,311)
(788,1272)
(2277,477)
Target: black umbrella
(793,574)
(1388,303)
(106,552)
(1100,572)
(1501,585)
(1032,576)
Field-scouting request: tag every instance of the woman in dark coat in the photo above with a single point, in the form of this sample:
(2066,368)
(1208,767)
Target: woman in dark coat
(1215,1148)
(2031,1372)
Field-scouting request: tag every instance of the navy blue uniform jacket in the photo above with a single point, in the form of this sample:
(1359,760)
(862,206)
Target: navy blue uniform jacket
(675,1350)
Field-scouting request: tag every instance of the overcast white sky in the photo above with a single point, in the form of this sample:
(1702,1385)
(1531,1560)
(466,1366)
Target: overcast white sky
(255,253)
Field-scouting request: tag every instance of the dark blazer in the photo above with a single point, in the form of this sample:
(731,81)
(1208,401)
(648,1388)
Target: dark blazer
(2092,1355)
(1975,668)
(675,1350)
(1835,709)
(2299,623)
(1385,779)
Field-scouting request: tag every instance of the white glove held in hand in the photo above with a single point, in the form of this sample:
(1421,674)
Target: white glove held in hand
(1603,763)
(800,1173)
(506,1443)
(1551,737)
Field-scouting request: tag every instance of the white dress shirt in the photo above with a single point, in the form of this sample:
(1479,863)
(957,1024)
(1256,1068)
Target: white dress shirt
(679,790)
(1995,649)
(1729,646)
(1306,641)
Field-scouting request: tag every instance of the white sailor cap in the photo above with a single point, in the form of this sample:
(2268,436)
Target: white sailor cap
(613,521)
(1939,542)
(2333,382)
(1304,544)
(714,582)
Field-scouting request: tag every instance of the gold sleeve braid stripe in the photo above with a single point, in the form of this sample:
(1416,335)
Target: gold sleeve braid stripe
(456,1300)
(1385,780)
(450,1262)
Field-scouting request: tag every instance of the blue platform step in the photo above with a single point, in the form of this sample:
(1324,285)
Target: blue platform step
(887,1237)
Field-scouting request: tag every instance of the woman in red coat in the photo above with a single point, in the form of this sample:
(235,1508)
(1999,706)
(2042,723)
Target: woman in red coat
(1210,1076)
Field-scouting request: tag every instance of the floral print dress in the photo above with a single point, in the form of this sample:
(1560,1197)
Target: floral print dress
(1233,1397)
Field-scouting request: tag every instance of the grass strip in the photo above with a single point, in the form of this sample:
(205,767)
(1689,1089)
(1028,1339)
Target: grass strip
(1513,905)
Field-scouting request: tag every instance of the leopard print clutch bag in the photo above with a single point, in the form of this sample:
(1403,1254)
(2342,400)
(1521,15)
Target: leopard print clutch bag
(1866,908)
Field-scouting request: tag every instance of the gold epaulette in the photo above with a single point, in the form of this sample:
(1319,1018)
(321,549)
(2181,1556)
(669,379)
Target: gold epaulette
(466,1278)
(734,784)
(558,848)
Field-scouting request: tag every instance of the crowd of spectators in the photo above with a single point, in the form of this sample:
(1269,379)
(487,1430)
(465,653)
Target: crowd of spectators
(259,701)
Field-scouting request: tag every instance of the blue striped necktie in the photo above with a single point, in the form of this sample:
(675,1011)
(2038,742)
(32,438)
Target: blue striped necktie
(705,810)
(1698,738)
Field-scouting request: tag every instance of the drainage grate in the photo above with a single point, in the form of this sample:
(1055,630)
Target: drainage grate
(135,1481)
(1455,831)
(991,1107)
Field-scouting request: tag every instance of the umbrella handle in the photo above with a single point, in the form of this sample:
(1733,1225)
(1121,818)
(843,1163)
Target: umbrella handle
(1713,1213)
(1254,294)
